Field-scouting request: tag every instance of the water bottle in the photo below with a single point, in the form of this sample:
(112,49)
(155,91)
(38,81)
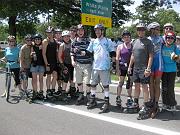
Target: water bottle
(34,56)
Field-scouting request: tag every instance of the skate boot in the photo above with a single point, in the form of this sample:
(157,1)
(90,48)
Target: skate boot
(80,99)
(32,97)
(132,108)
(64,96)
(92,102)
(40,95)
(87,98)
(57,94)
(105,107)
(72,92)
(118,101)
(144,113)
(49,94)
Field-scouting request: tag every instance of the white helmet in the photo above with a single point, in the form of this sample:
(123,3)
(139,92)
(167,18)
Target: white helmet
(65,33)
(168,25)
(153,25)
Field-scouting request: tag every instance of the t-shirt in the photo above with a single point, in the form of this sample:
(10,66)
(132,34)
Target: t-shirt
(142,47)
(101,48)
(81,46)
(169,64)
(12,56)
(25,55)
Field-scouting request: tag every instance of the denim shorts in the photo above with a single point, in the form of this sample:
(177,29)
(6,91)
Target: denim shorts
(37,69)
(138,76)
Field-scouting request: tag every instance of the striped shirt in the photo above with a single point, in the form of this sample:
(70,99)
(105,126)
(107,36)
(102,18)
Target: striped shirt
(77,48)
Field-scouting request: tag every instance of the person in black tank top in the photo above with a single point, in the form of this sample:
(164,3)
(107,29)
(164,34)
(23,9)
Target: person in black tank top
(50,59)
(37,66)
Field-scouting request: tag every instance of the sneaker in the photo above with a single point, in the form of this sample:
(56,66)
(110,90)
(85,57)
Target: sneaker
(80,99)
(21,93)
(57,93)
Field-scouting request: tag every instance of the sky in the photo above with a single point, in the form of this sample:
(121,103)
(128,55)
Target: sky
(132,9)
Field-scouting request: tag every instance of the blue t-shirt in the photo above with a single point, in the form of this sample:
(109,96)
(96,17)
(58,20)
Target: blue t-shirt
(101,49)
(12,56)
(168,63)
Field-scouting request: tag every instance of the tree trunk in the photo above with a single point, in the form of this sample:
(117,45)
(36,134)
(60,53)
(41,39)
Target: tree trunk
(12,25)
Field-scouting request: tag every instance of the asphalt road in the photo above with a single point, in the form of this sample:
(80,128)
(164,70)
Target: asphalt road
(43,118)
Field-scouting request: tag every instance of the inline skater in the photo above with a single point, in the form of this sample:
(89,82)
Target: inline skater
(102,48)
(37,66)
(49,52)
(157,66)
(142,56)
(82,62)
(123,55)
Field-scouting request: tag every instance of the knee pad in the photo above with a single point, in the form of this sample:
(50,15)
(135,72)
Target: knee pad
(89,85)
(120,84)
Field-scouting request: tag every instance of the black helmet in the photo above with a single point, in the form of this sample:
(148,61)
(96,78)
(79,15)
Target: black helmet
(99,26)
(37,36)
(126,33)
(28,36)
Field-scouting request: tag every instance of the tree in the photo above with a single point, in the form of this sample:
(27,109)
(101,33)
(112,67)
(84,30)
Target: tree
(3,32)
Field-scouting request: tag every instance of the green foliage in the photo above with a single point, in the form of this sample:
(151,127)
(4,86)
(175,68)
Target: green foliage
(3,32)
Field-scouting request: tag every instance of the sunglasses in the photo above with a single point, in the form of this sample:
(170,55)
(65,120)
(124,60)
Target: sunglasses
(169,37)
(167,28)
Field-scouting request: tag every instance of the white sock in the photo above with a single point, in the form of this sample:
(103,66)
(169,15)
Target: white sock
(106,93)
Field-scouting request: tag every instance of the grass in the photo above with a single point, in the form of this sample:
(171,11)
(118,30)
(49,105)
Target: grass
(114,77)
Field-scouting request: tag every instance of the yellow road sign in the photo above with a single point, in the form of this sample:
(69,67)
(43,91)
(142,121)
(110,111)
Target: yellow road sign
(92,20)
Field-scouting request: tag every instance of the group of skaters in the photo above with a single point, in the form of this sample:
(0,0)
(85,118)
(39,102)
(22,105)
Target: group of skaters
(70,56)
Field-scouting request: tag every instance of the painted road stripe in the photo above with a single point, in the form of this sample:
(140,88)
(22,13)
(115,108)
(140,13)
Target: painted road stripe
(114,120)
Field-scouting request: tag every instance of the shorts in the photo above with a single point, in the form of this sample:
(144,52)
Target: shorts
(102,76)
(24,75)
(53,67)
(82,71)
(155,67)
(37,69)
(124,73)
(138,76)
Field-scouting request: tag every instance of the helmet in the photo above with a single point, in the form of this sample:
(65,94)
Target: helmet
(65,33)
(99,26)
(28,36)
(141,25)
(170,34)
(37,36)
(177,37)
(153,25)
(80,26)
(11,37)
(126,33)
(57,30)
(168,25)
(49,29)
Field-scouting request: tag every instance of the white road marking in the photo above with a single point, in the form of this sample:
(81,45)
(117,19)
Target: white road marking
(114,120)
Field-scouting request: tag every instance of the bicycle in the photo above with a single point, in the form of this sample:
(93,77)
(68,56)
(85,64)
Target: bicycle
(8,75)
